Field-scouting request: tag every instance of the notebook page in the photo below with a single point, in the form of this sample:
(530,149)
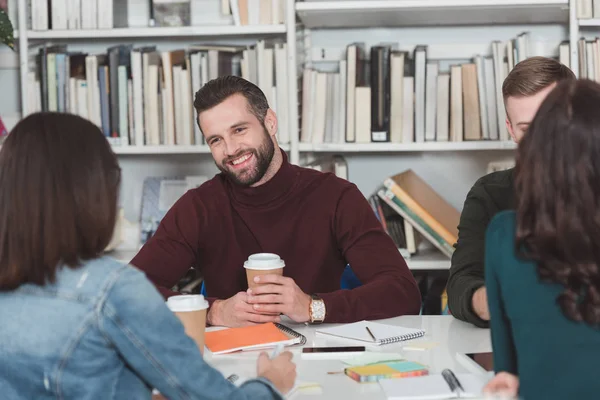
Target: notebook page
(431,387)
(358,331)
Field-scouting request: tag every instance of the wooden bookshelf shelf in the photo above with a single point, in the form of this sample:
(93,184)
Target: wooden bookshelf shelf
(428,260)
(591,23)
(160,32)
(405,147)
(164,149)
(394,13)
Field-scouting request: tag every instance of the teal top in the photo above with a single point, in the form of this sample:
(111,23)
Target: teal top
(554,357)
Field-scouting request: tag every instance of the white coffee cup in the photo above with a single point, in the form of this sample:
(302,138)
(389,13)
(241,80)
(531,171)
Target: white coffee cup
(262,264)
(191,310)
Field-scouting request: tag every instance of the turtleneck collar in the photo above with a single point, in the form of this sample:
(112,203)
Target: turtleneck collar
(273,189)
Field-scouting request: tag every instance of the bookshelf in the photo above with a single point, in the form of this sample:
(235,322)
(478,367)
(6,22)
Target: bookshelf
(317,32)
(167,149)
(405,147)
(159,32)
(30,40)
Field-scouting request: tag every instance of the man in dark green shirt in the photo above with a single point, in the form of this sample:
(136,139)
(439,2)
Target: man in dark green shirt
(524,89)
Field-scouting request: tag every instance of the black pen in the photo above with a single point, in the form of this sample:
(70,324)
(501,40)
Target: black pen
(371,334)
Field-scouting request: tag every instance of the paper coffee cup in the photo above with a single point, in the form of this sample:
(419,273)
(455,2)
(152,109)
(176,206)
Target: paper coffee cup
(191,311)
(262,264)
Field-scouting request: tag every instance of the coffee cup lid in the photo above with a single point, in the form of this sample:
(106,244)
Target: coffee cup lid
(187,302)
(264,261)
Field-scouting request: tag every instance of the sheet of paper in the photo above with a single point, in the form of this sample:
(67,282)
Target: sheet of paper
(372,357)
(420,346)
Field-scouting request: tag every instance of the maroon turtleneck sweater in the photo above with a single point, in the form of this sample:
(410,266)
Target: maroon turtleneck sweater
(315,221)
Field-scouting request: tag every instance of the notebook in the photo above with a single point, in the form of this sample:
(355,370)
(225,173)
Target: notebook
(386,370)
(437,386)
(384,334)
(256,337)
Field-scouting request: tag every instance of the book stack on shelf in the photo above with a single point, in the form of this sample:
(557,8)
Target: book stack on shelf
(336,165)
(410,211)
(588,9)
(108,14)
(391,97)
(143,96)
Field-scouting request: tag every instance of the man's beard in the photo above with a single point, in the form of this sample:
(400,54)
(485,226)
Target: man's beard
(248,177)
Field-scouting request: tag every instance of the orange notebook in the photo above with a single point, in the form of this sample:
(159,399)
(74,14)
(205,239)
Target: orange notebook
(255,337)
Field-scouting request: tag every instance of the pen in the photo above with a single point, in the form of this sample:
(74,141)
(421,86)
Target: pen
(277,350)
(371,334)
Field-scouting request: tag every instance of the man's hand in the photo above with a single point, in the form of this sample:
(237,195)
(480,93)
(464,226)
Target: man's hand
(279,295)
(235,311)
(479,304)
(503,384)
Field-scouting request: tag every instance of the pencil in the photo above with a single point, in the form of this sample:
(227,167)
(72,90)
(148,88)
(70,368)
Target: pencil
(371,334)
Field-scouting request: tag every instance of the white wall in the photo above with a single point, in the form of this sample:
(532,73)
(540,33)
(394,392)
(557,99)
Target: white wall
(450,173)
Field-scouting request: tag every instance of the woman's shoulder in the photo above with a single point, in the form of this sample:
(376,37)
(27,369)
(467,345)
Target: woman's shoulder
(503,223)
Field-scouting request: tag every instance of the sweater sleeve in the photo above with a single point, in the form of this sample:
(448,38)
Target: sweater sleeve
(502,340)
(172,250)
(388,289)
(466,270)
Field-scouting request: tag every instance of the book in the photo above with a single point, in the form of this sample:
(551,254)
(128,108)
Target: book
(384,334)
(435,386)
(386,370)
(256,337)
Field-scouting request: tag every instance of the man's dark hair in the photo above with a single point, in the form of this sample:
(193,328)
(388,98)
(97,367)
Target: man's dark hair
(58,203)
(218,90)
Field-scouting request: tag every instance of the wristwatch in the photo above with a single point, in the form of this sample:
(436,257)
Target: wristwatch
(316,310)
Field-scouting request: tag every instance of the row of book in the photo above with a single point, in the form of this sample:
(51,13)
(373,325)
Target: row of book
(587,9)
(142,96)
(589,59)
(107,14)
(394,96)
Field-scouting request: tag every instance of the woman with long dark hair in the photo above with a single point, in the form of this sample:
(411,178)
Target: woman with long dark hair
(543,260)
(75,324)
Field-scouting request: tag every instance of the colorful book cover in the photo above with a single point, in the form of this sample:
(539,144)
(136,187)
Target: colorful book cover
(386,370)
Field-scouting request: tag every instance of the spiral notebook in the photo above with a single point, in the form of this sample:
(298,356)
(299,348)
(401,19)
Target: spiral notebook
(256,337)
(384,334)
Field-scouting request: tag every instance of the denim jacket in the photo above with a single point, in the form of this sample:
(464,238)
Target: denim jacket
(102,331)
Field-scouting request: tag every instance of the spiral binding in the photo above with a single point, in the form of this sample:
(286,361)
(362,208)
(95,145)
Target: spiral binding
(402,337)
(292,333)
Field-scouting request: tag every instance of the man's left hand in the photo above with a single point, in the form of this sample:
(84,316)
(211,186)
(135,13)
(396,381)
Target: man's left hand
(279,295)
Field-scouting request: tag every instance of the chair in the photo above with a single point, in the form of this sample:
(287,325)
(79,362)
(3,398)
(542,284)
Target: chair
(348,281)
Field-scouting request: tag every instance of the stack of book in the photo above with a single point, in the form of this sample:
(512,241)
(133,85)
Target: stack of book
(405,203)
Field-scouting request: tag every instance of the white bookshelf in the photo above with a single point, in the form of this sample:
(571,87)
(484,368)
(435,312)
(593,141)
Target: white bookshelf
(428,260)
(164,149)
(593,22)
(389,13)
(405,147)
(159,32)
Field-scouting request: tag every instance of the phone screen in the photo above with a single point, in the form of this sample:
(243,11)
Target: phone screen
(484,360)
(344,349)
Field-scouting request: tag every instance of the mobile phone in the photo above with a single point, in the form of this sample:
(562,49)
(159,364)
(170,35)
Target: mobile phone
(344,349)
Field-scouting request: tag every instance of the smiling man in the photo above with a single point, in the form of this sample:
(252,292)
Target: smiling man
(316,222)
(524,90)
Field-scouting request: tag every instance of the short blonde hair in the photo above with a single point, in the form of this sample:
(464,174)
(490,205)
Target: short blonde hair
(532,75)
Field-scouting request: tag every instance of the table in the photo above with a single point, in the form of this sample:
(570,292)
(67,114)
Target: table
(454,337)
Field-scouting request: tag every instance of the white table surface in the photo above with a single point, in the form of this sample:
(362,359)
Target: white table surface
(454,338)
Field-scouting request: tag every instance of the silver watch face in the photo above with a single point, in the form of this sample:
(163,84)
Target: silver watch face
(318,310)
